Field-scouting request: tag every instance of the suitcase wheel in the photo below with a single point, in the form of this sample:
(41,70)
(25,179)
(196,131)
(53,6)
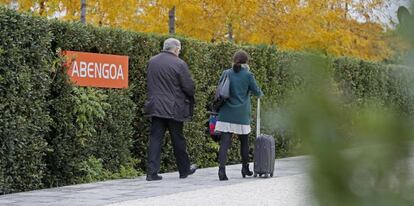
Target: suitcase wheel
(255,174)
(260,175)
(271,174)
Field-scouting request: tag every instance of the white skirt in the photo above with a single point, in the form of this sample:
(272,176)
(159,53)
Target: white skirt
(232,128)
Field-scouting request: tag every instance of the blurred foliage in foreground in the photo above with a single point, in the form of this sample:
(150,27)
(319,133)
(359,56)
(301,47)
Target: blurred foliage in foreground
(361,152)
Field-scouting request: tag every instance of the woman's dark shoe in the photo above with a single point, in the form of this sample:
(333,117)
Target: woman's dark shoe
(246,171)
(222,174)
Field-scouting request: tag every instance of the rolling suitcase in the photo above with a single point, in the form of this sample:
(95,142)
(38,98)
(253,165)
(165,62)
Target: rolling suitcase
(264,151)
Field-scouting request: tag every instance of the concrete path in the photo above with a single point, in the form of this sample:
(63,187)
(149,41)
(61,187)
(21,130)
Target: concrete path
(288,187)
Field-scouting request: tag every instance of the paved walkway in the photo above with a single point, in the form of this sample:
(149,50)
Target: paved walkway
(288,187)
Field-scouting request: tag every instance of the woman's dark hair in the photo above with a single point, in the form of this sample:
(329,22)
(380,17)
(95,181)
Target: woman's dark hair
(239,58)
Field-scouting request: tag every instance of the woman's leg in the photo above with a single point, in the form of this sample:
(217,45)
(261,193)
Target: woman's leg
(244,148)
(244,152)
(225,142)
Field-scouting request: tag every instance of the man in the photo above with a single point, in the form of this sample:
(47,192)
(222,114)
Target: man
(170,100)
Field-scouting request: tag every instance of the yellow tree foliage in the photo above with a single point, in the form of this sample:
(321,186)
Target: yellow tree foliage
(323,25)
(334,27)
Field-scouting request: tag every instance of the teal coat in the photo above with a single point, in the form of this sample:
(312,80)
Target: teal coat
(237,108)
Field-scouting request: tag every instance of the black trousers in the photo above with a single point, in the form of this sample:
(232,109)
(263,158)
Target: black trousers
(225,143)
(158,128)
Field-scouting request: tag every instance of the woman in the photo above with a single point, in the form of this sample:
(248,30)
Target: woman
(234,114)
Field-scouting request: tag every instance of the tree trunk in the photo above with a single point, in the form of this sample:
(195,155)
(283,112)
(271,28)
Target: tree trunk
(83,11)
(346,10)
(230,34)
(171,22)
(42,7)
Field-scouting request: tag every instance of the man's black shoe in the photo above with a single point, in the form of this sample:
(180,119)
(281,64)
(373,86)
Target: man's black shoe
(191,171)
(154,177)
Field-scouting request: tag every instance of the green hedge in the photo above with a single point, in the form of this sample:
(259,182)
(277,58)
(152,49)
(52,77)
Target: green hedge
(53,133)
(25,61)
(89,123)
(388,85)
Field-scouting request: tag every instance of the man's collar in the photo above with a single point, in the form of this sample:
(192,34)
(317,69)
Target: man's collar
(169,52)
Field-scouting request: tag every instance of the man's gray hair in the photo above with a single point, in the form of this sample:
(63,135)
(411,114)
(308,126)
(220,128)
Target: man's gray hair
(171,44)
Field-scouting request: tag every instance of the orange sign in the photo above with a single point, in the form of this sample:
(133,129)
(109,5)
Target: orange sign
(97,70)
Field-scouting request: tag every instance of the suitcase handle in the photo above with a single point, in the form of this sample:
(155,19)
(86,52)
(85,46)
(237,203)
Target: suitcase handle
(258,118)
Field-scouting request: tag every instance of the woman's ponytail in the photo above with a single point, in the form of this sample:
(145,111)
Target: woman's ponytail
(239,58)
(237,67)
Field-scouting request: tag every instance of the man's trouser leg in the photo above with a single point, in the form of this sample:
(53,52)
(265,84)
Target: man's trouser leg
(179,146)
(158,127)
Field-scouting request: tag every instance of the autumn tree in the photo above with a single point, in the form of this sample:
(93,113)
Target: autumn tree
(334,27)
